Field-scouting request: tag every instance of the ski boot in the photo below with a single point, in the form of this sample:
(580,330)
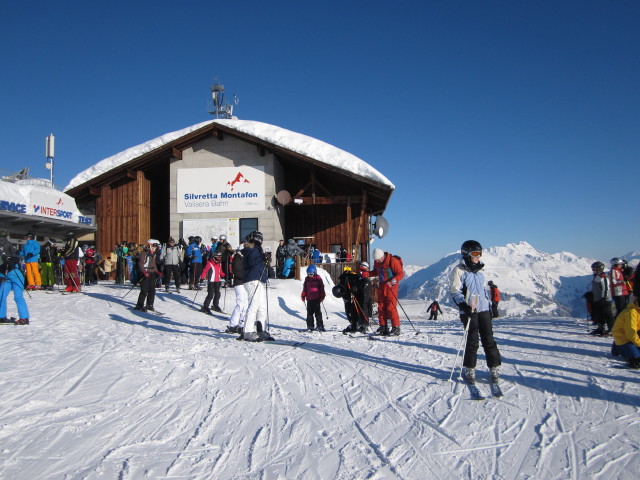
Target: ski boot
(495,375)
(382,330)
(395,331)
(469,374)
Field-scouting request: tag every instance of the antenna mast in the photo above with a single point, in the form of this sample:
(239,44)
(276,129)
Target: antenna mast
(217,106)
(50,152)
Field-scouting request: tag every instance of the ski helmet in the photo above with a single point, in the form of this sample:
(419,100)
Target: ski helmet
(378,254)
(597,267)
(215,255)
(222,238)
(616,261)
(471,247)
(364,266)
(338,291)
(347,269)
(312,270)
(255,237)
(198,240)
(70,234)
(29,236)
(191,239)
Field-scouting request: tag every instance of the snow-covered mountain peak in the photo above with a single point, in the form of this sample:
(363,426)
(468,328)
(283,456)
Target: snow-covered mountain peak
(531,282)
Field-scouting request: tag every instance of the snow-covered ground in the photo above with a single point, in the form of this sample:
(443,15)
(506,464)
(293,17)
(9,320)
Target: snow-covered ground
(93,389)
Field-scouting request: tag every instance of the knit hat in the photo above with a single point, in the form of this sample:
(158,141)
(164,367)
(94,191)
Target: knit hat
(378,254)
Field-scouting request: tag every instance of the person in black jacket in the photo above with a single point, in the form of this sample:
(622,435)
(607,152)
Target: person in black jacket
(48,257)
(434,308)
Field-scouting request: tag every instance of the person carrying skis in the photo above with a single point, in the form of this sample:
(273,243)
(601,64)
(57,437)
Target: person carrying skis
(149,271)
(11,280)
(625,334)
(389,270)
(236,321)
(291,251)
(470,295)
(255,280)
(313,294)
(433,309)
(601,302)
(214,274)
(619,290)
(71,256)
(495,298)
(31,253)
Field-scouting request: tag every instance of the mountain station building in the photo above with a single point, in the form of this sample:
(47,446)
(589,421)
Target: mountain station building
(231,177)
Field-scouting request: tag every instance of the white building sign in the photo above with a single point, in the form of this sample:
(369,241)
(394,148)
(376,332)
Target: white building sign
(224,189)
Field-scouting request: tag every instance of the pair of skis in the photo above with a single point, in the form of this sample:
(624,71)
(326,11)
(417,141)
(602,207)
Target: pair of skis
(476,394)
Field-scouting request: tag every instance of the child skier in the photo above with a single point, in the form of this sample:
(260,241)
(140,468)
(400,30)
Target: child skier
(213,272)
(313,293)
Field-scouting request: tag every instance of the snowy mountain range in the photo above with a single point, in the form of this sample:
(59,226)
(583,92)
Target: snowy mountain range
(531,282)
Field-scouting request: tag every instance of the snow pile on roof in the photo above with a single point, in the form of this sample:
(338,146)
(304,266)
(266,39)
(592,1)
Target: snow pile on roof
(309,147)
(122,158)
(295,142)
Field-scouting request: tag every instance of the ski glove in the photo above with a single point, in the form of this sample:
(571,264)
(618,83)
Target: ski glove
(465,308)
(392,283)
(146,274)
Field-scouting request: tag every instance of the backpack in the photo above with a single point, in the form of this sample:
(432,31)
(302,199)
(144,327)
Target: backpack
(399,258)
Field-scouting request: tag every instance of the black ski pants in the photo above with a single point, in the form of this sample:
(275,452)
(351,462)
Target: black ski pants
(213,292)
(313,308)
(480,328)
(147,291)
(172,270)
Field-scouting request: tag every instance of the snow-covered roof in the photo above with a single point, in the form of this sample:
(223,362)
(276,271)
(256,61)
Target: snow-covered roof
(292,141)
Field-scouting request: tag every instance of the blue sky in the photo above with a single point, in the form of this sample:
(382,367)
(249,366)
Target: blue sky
(498,121)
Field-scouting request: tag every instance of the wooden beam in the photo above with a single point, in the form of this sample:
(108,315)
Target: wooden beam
(218,134)
(132,174)
(335,200)
(363,214)
(176,153)
(94,191)
(349,226)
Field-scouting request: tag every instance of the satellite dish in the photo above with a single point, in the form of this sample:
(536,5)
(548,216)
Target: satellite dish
(381,227)
(283,197)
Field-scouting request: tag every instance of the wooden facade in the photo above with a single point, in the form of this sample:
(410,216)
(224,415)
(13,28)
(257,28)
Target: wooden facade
(123,212)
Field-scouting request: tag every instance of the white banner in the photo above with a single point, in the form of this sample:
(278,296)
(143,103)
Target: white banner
(224,189)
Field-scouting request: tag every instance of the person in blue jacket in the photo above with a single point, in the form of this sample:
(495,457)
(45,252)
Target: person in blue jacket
(255,278)
(31,253)
(11,280)
(470,295)
(194,255)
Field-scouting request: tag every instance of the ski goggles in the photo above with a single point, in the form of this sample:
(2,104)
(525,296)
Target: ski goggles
(475,254)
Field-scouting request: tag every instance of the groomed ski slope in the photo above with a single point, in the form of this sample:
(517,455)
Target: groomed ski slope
(92,389)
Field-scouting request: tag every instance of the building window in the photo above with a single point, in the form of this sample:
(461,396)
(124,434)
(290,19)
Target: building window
(247,225)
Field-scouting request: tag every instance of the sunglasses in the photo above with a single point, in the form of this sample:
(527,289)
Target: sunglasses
(476,254)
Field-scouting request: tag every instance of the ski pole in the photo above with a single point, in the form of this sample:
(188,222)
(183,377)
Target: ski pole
(462,340)
(405,313)
(132,287)
(194,297)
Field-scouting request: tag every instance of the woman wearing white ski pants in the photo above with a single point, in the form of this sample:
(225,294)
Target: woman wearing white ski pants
(257,311)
